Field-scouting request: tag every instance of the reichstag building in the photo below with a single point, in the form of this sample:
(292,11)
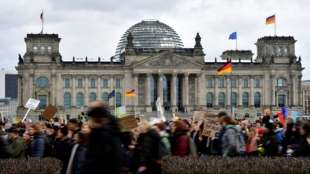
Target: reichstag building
(151,60)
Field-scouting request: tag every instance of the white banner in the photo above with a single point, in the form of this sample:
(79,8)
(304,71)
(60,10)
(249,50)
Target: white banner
(32,103)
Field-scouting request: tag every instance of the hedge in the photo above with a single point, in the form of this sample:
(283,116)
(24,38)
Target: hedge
(238,165)
(30,166)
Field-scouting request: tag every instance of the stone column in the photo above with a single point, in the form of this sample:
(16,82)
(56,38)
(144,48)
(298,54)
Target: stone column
(60,89)
(98,88)
(228,91)
(201,90)
(239,91)
(54,89)
(299,91)
(86,95)
(73,96)
(216,92)
(273,91)
(31,85)
(160,87)
(19,91)
(135,84)
(185,92)
(251,91)
(148,92)
(112,87)
(173,92)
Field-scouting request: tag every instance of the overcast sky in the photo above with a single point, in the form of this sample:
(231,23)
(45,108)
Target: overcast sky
(93,27)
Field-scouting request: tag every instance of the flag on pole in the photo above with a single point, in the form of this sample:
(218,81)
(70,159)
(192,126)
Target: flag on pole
(112,94)
(281,118)
(233,36)
(284,111)
(271,19)
(225,69)
(41,16)
(130,93)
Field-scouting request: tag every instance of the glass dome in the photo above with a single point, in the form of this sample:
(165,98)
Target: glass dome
(150,34)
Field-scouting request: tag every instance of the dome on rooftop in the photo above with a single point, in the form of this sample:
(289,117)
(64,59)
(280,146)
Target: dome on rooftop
(150,34)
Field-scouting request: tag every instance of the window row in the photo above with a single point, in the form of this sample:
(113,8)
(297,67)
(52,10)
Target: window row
(80,98)
(93,82)
(42,49)
(234,99)
(234,83)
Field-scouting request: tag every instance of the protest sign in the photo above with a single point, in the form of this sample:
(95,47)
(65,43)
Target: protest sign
(211,125)
(49,112)
(128,122)
(31,104)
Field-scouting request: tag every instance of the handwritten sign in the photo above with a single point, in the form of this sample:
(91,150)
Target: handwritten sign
(32,104)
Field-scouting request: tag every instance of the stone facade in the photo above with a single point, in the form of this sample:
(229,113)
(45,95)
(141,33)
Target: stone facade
(179,76)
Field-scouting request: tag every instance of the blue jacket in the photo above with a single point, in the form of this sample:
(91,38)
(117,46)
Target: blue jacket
(37,145)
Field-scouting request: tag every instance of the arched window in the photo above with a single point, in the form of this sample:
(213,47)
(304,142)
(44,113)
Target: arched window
(105,97)
(42,82)
(245,99)
(222,99)
(118,98)
(257,100)
(80,99)
(210,99)
(234,99)
(281,82)
(67,100)
(92,96)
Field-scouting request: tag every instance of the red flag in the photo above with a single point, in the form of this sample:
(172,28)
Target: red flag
(281,118)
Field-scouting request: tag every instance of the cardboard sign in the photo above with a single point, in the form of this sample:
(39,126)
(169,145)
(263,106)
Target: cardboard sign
(199,115)
(32,104)
(49,112)
(128,122)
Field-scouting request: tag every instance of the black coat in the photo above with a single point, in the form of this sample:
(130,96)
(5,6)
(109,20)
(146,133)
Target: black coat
(303,148)
(103,155)
(147,152)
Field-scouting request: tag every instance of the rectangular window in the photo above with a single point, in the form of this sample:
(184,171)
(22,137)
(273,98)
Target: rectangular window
(257,83)
(43,101)
(221,82)
(210,83)
(118,83)
(281,100)
(105,83)
(67,83)
(93,83)
(245,83)
(234,83)
(79,83)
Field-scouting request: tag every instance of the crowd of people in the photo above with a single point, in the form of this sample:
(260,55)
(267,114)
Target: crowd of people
(98,145)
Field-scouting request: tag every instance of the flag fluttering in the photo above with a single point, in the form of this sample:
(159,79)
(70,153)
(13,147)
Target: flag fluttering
(42,21)
(271,19)
(281,118)
(130,93)
(225,69)
(233,36)
(111,94)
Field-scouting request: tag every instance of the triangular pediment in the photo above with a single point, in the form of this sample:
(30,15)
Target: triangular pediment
(167,60)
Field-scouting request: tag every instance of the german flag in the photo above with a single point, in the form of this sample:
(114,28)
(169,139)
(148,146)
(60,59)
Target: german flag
(130,93)
(225,69)
(271,20)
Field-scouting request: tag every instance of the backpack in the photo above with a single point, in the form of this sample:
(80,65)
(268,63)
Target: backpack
(239,144)
(162,150)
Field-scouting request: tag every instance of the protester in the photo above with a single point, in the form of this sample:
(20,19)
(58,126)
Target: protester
(37,144)
(304,143)
(63,147)
(182,145)
(16,147)
(147,157)
(4,141)
(104,147)
(78,152)
(232,139)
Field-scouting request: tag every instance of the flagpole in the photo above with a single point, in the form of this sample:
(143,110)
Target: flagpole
(236,44)
(275,27)
(42,22)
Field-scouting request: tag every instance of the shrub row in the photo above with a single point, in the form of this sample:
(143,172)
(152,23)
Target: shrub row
(238,165)
(30,166)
